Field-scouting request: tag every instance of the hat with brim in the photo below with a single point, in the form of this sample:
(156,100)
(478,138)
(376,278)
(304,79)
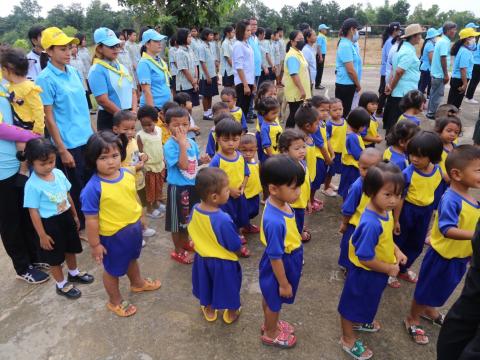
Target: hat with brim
(323,27)
(53,36)
(468,32)
(432,33)
(152,35)
(106,37)
(472,26)
(411,30)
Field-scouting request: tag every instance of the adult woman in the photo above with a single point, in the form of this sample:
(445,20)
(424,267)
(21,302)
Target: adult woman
(243,66)
(84,56)
(426,60)
(187,76)
(347,64)
(296,77)
(405,74)
(226,69)
(110,81)
(310,54)
(152,71)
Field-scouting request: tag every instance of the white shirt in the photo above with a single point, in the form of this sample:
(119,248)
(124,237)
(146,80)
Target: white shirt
(309,52)
(33,66)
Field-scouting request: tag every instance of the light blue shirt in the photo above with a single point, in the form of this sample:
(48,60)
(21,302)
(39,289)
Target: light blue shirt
(265,48)
(293,65)
(357,63)
(442,48)
(186,60)
(207,55)
(322,43)
(464,59)
(476,55)
(406,59)
(148,73)
(176,176)
(48,197)
(226,52)
(391,53)
(346,52)
(8,161)
(257,54)
(243,59)
(172,60)
(429,47)
(385,50)
(309,53)
(64,91)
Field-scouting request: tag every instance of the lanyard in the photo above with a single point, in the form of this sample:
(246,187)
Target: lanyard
(161,65)
(120,72)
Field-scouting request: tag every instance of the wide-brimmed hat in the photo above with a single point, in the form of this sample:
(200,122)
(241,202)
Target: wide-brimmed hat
(472,25)
(468,32)
(412,29)
(53,36)
(432,33)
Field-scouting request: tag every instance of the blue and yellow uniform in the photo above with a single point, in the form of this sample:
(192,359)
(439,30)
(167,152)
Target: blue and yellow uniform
(118,210)
(253,189)
(446,260)
(279,233)
(420,192)
(311,157)
(216,273)
(371,131)
(444,158)
(269,134)
(412,118)
(363,287)
(236,170)
(320,139)
(212,147)
(399,159)
(350,156)
(300,205)
(239,116)
(337,133)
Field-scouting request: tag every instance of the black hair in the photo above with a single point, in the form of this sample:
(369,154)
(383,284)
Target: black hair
(366,98)
(335,101)
(402,130)
(142,30)
(218,106)
(456,47)
(306,114)
(318,100)
(102,141)
(240,29)
(222,116)
(260,31)
(228,91)
(80,37)
(281,170)
(210,180)
(169,105)
(387,33)
(181,98)
(15,61)
(228,127)
(461,156)
(205,33)
(292,37)
(287,137)
(442,122)
(37,149)
(147,111)
(123,115)
(358,118)
(268,34)
(381,174)
(266,105)
(279,29)
(303,26)
(446,110)
(261,91)
(129,32)
(182,35)
(248,138)
(34,32)
(173,40)
(426,143)
(412,99)
(307,33)
(226,30)
(176,112)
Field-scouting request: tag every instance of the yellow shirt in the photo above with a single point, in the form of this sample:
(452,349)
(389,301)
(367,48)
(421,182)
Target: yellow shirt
(236,169)
(31,111)
(304,197)
(291,92)
(132,158)
(323,133)
(372,130)
(253,187)
(421,187)
(353,148)
(338,135)
(311,160)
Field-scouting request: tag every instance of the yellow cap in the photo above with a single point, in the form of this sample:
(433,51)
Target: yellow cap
(54,36)
(468,32)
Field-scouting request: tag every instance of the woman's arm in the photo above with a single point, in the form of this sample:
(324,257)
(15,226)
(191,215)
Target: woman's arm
(298,84)
(67,158)
(147,91)
(463,73)
(107,104)
(398,75)
(353,75)
(134,101)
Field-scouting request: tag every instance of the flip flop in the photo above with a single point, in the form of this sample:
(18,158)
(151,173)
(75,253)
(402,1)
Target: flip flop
(409,276)
(122,309)
(204,311)
(367,327)
(244,252)
(283,340)
(393,282)
(283,326)
(148,285)
(227,320)
(437,321)
(357,351)
(181,258)
(413,331)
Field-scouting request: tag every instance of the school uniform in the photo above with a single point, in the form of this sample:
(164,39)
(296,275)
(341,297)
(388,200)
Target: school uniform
(216,272)
(399,159)
(239,116)
(154,72)
(301,203)
(320,139)
(269,134)
(425,76)
(34,67)
(187,60)
(253,189)
(350,156)
(279,233)
(411,118)
(206,55)
(173,67)
(226,70)
(212,146)
(311,158)
(371,131)
(266,48)
(337,133)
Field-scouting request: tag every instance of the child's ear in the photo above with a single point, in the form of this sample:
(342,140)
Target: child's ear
(272,189)
(455,174)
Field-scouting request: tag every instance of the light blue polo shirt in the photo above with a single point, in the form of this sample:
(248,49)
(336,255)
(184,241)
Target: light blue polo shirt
(257,54)
(149,74)
(476,55)
(8,161)
(64,91)
(442,48)
(429,47)
(346,52)
(406,59)
(322,43)
(385,50)
(464,59)
(104,81)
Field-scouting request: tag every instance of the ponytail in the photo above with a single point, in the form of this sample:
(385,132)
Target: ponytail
(44,59)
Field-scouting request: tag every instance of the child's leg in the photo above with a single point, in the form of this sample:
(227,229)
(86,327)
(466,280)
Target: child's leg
(328,181)
(134,276)
(271,321)
(205,103)
(71,260)
(413,319)
(348,334)
(57,273)
(111,286)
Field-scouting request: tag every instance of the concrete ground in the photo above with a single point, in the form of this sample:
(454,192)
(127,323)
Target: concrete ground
(35,323)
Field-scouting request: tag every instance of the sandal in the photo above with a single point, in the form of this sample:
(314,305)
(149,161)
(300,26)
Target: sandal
(283,326)
(317,206)
(306,236)
(437,321)
(226,318)
(204,311)
(283,340)
(414,331)
(125,309)
(251,229)
(334,187)
(181,258)
(189,246)
(358,350)
(329,192)
(244,252)
(393,282)
(367,327)
(243,240)
(409,276)
(148,285)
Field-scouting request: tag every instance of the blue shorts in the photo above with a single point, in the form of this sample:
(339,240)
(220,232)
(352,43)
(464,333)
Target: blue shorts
(238,210)
(336,167)
(299,218)
(438,278)
(217,282)
(320,176)
(343,259)
(361,294)
(253,205)
(349,175)
(292,263)
(261,154)
(122,248)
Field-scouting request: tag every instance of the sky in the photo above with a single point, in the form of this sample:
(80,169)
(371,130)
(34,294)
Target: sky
(278,4)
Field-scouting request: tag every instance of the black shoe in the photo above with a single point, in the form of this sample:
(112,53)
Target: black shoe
(208,117)
(41,266)
(431,117)
(69,291)
(81,278)
(33,276)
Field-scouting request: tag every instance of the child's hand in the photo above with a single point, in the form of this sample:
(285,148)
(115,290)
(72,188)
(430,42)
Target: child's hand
(235,193)
(98,252)
(285,290)
(396,229)
(401,257)
(379,139)
(180,135)
(46,242)
(343,228)
(144,157)
(209,81)
(77,222)
(394,270)
(309,207)
(139,165)
(205,159)
(329,161)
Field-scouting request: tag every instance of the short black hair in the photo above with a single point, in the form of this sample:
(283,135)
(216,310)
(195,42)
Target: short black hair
(34,32)
(412,99)
(122,115)
(335,100)
(205,33)
(287,137)
(210,180)
(222,116)
(102,141)
(318,100)
(306,114)
(381,174)
(248,138)
(358,118)
(426,143)
(182,35)
(147,111)
(169,105)
(402,130)
(281,170)
(219,106)
(366,98)
(228,127)
(80,36)
(228,91)
(129,32)
(264,87)
(14,60)
(176,112)
(37,149)
(442,122)
(181,98)
(173,40)
(461,156)
(267,104)
(260,31)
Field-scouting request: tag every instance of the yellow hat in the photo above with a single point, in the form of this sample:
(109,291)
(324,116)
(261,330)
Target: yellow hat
(54,36)
(468,32)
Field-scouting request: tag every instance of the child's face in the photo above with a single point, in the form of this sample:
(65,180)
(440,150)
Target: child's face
(248,151)
(469,176)
(210,37)
(336,111)
(126,127)
(7,74)
(132,37)
(189,106)
(272,115)
(229,100)
(311,128)
(109,161)
(450,133)
(366,162)
(271,92)
(285,193)
(229,143)
(323,111)
(177,124)
(386,199)
(372,107)
(44,167)
(148,125)
(420,162)
(297,149)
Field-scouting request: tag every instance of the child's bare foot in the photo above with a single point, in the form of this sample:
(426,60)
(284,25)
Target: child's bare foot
(208,313)
(230,316)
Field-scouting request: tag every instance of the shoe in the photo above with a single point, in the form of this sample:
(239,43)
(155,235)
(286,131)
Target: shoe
(162,208)
(143,243)
(250,121)
(431,117)
(329,192)
(318,87)
(155,214)
(148,232)
(33,276)
(321,87)
(81,278)
(41,266)
(69,291)
(208,117)
(470,101)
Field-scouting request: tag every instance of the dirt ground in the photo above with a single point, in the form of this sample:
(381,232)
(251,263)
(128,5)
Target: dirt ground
(35,323)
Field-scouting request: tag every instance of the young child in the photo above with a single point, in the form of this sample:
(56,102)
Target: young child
(280,268)
(149,141)
(337,133)
(182,158)
(355,203)
(184,100)
(54,217)
(216,272)
(229,96)
(374,256)
(397,141)
(269,108)
(446,110)
(369,101)
(446,260)
(229,159)
(166,134)
(266,89)
(112,216)
(220,114)
(449,129)
(412,104)
(412,217)
(357,121)
(248,148)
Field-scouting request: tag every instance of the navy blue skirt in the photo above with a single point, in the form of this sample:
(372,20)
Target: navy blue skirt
(253,205)
(299,218)
(209,90)
(336,167)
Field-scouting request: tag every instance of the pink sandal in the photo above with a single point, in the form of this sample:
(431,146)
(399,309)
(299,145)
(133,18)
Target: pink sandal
(283,340)
(181,258)
(283,326)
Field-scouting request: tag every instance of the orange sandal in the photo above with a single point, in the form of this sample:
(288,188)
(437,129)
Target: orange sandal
(125,309)
(148,285)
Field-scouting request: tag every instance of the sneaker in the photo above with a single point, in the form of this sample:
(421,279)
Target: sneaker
(155,214)
(430,116)
(41,266)
(33,276)
(162,208)
(250,121)
(69,291)
(148,232)
(470,101)
(81,278)
(143,243)
(207,117)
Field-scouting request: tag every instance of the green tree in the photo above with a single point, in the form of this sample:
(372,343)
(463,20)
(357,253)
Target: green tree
(98,14)
(21,44)
(400,11)
(70,30)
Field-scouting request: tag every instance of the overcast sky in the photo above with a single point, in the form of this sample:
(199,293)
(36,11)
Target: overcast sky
(459,5)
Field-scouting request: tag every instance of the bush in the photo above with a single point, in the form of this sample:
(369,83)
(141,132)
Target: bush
(70,31)
(22,44)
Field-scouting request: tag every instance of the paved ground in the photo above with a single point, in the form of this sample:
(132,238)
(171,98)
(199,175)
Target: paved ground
(37,324)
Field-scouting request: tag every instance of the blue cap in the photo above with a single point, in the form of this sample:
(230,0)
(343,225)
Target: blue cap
(106,37)
(323,27)
(151,34)
(432,32)
(440,30)
(472,26)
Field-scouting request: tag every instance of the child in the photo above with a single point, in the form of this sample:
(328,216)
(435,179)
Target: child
(449,129)
(208,76)
(412,217)
(182,158)
(357,121)
(369,101)
(269,108)
(216,273)
(112,215)
(355,203)
(374,257)
(229,159)
(266,89)
(337,133)
(54,217)
(412,104)
(280,268)
(397,142)
(229,96)
(446,260)
(149,141)
(220,114)
(184,100)
(292,143)
(166,134)
(248,148)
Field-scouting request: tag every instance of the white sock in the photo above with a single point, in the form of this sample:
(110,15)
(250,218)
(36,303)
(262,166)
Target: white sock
(61,284)
(206,113)
(74,272)
(209,112)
